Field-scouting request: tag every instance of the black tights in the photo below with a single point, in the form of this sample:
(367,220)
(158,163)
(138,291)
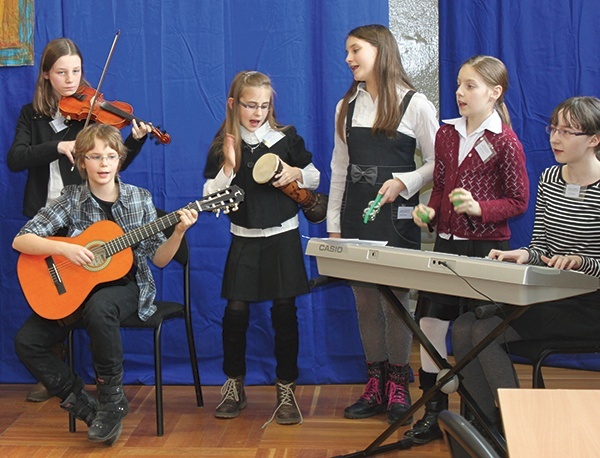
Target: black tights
(285,324)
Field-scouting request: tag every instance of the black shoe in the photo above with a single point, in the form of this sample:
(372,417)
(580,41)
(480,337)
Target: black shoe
(370,403)
(425,430)
(373,400)
(396,389)
(112,408)
(83,405)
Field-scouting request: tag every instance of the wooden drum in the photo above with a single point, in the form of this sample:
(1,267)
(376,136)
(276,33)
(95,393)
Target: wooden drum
(313,204)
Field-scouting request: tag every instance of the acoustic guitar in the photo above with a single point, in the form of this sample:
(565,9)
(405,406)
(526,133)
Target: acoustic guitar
(55,287)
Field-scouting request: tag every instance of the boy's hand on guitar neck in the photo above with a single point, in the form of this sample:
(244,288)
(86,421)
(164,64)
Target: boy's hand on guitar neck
(164,254)
(187,218)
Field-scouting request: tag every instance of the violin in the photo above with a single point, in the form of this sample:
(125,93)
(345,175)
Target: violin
(77,107)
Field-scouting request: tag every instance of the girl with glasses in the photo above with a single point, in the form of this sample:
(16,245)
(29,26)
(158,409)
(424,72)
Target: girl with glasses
(265,260)
(566,236)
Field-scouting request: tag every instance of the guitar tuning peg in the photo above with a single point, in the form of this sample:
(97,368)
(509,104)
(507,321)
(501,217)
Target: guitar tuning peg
(217,212)
(226,210)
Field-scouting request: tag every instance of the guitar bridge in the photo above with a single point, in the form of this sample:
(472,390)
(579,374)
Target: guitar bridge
(56,278)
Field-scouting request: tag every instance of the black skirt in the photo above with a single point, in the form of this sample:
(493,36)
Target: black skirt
(443,306)
(265,268)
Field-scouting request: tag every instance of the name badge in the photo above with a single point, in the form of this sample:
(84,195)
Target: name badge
(58,124)
(404,213)
(484,149)
(272,137)
(572,191)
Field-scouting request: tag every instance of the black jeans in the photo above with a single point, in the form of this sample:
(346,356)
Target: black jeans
(102,314)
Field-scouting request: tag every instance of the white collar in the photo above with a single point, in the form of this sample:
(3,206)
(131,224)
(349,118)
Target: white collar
(493,123)
(362,87)
(253,138)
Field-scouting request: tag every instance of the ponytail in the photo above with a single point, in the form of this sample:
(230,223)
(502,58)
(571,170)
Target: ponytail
(502,110)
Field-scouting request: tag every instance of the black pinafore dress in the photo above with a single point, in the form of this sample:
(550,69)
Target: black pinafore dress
(373,159)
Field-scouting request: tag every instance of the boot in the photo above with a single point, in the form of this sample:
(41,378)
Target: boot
(112,408)
(427,429)
(287,411)
(396,389)
(38,393)
(81,404)
(233,398)
(372,401)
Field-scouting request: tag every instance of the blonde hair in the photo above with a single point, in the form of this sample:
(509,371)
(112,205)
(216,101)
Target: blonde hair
(86,142)
(389,73)
(45,101)
(231,124)
(494,73)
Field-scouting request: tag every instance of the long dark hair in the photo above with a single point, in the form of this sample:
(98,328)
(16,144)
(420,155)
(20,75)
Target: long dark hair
(389,73)
(45,101)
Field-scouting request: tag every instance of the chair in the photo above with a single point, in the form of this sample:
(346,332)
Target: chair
(462,439)
(538,351)
(165,311)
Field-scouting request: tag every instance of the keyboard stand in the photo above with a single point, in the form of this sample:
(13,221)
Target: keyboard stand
(375,448)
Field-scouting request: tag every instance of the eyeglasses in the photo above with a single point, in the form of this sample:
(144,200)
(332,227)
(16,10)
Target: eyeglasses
(255,106)
(111,158)
(563,132)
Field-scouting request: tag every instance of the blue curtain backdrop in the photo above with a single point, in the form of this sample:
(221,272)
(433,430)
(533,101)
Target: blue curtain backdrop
(173,62)
(550,50)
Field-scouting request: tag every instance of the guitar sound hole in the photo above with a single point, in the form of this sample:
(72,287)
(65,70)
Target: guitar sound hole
(100,258)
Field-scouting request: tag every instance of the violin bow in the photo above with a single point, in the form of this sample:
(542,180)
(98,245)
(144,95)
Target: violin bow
(93,99)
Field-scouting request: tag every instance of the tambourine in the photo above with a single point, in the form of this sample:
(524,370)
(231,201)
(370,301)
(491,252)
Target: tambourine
(313,204)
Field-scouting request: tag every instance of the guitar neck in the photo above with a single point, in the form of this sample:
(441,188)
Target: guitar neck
(145,232)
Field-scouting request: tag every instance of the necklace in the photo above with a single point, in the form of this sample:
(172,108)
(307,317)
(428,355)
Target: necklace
(252,147)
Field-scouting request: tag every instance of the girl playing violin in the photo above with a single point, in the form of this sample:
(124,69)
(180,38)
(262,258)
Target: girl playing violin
(44,141)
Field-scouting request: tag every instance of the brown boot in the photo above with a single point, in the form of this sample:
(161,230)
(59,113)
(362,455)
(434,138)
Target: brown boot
(287,411)
(38,393)
(233,398)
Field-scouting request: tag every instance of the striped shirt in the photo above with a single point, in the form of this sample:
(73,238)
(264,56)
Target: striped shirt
(566,225)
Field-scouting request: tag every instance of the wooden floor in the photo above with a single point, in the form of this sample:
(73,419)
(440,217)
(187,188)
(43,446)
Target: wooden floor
(40,429)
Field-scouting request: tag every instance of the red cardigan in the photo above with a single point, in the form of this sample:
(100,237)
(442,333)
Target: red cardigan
(500,185)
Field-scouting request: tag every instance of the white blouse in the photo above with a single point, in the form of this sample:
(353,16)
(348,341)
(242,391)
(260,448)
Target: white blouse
(419,122)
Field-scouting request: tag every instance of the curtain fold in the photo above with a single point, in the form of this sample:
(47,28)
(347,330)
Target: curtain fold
(551,54)
(173,62)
